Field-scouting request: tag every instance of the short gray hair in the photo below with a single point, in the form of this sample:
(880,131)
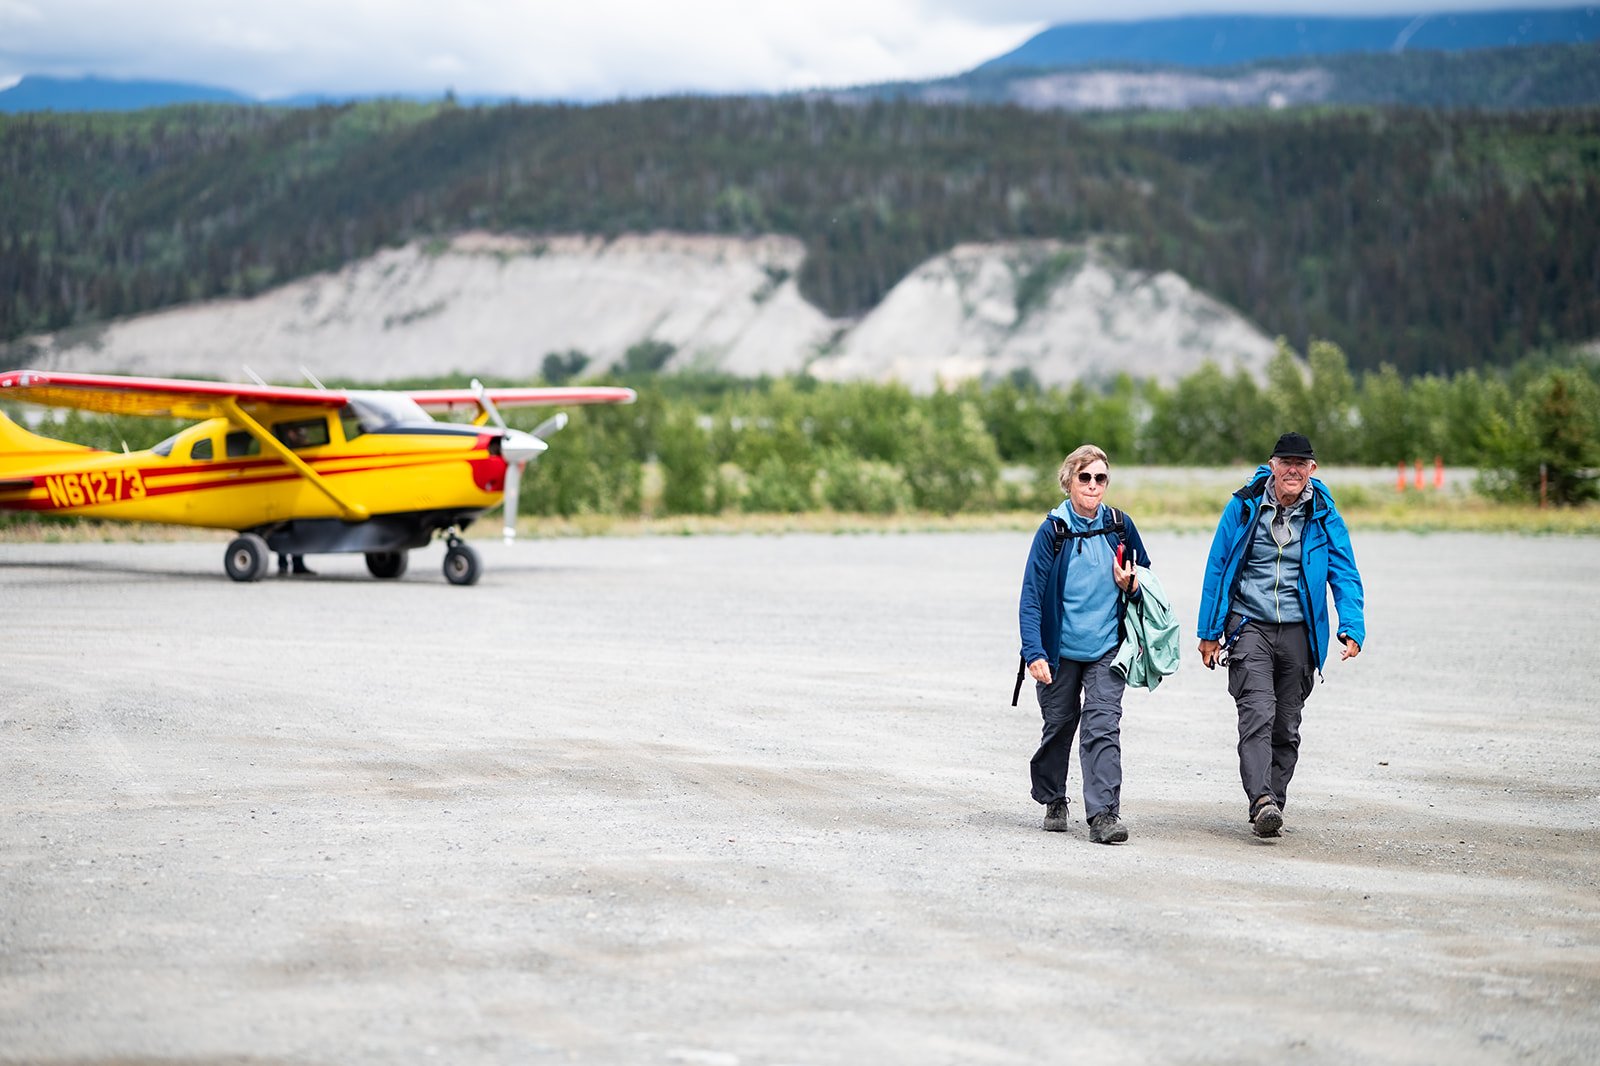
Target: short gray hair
(1081,456)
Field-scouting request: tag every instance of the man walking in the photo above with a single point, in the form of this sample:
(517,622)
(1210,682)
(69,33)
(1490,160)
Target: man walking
(1280,546)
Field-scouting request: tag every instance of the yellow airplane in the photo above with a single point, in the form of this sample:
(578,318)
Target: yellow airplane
(294,470)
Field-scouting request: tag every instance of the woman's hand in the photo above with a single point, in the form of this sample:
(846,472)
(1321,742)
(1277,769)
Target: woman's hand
(1127,577)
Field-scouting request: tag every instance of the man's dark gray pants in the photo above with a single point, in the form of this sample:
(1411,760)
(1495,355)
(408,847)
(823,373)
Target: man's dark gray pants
(1270,674)
(1083,699)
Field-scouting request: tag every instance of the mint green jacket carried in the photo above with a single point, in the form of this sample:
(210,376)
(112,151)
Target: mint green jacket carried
(1150,649)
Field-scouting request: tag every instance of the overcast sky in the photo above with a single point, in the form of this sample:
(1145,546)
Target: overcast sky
(561,49)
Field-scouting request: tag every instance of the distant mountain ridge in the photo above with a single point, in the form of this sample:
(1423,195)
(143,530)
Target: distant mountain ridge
(40,93)
(1497,79)
(37,93)
(1229,40)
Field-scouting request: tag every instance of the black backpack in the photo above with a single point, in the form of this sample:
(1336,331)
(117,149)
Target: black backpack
(1060,535)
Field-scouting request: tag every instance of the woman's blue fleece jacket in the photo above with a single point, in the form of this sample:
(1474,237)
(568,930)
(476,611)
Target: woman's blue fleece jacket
(1326,560)
(1044,581)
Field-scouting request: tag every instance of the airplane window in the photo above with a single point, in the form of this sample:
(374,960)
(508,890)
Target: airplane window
(378,410)
(308,432)
(304,433)
(201,449)
(165,447)
(241,444)
(352,425)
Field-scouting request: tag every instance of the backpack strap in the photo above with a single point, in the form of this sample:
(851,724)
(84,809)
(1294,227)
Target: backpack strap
(1058,534)
(1116,529)
(1252,490)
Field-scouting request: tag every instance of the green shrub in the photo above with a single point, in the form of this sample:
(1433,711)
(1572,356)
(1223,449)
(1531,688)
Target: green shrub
(688,468)
(779,486)
(951,461)
(591,468)
(863,486)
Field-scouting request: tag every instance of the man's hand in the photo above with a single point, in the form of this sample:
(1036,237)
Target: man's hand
(1039,670)
(1351,649)
(1210,652)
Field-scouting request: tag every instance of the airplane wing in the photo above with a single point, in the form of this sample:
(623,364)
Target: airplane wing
(160,397)
(450,399)
(184,398)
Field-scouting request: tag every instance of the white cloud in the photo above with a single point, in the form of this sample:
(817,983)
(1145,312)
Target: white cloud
(588,49)
(574,49)
(18,12)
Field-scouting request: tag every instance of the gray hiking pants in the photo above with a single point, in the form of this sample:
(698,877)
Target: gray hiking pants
(1270,674)
(1083,699)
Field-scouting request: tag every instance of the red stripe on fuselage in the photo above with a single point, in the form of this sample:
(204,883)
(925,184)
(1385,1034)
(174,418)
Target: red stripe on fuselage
(160,486)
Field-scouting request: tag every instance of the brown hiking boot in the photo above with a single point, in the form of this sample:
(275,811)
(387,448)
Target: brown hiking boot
(1266,820)
(1106,828)
(1057,816)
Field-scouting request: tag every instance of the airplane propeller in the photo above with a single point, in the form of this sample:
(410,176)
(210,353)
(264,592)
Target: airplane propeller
(517,448)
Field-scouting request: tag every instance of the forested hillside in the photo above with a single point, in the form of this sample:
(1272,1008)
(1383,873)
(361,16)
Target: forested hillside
(1428,241)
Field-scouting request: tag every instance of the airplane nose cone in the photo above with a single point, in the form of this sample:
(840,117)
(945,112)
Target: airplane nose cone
(518,447)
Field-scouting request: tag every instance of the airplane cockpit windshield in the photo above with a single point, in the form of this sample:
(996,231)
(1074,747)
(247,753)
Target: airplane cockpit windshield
(378,410)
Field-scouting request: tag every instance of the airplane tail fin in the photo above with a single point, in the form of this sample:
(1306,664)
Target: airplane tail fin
(20,449)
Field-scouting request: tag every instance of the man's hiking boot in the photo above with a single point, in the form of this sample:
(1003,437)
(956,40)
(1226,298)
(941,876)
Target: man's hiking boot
(1267,820)
(1056,816)
(1104,828)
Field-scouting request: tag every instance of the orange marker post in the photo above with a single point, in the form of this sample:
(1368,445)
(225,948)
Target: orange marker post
(1400,478)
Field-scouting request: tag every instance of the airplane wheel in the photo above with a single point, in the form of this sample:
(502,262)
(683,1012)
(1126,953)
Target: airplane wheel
(387,564)
(461,565)
(247,558)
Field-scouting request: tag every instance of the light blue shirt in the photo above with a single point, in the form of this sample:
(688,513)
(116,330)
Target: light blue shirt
(1089,600)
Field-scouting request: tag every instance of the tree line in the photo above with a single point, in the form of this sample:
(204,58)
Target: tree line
(1432,242)
(797,444)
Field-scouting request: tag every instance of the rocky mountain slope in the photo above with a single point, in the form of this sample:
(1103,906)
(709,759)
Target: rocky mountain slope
(496,305)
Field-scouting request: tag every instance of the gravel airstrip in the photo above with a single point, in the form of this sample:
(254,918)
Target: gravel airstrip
(729,800)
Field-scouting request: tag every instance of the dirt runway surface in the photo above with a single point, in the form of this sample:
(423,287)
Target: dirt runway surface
(762,799)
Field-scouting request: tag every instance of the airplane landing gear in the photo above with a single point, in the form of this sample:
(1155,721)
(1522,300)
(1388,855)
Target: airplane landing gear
(247,558)
(387,564)
(461,564)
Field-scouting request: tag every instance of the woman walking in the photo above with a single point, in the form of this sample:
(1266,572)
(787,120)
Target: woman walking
(1080,569)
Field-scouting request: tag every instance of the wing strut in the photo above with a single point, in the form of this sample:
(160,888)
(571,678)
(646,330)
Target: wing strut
(353,512)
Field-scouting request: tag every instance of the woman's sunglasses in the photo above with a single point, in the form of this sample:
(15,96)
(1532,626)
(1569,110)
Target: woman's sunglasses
(1084,477)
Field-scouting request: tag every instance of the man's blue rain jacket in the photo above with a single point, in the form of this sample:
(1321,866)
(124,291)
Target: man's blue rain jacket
(1326,561)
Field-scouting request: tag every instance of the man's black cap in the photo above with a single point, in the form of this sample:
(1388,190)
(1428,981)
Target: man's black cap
(1294,446)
